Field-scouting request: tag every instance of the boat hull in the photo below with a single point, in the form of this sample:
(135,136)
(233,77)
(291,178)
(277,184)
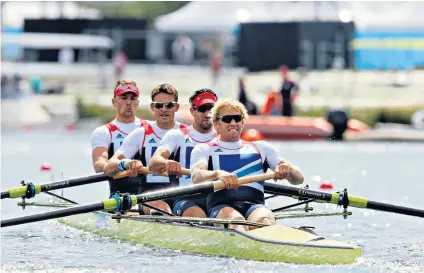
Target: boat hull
(271,244)
(286,128)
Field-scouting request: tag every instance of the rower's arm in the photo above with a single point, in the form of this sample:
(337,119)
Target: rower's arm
(169,142)
(128,149)
(200,173)
(199,165)
(158,161)
(100,158)
(295,176)
(111,167)
(100,141)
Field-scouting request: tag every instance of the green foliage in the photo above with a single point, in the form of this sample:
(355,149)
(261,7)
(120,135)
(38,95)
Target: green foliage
(366,115)
(106,114)
(144,9)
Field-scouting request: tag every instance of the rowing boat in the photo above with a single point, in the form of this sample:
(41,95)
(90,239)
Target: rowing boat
(275,243)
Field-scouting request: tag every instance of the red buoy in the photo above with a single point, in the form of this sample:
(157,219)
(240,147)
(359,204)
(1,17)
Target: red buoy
(326,185)
(28,128)
(70,127)
(251,135)
(46,167)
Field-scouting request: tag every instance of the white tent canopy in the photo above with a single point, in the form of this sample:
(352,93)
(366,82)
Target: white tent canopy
(56,41)
(224,16)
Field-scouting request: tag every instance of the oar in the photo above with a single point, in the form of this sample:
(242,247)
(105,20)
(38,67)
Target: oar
(341,199)
(112,204)
(67,183)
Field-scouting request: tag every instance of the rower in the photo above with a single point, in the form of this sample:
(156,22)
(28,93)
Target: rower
(181,142)
(106,139)
(145,141)
(227,158)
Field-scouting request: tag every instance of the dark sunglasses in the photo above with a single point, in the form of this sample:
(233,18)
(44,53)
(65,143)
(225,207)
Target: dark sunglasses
(229,118)
(203,108)
(168,105)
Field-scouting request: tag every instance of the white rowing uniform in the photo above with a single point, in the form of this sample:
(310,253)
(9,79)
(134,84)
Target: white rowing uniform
(145,141)
(241,158)
(181,142)
(111,136)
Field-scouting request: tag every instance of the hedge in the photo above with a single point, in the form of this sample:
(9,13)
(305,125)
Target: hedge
(367,115)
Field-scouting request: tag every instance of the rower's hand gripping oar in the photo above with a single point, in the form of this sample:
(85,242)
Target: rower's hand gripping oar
(340,199)
(114,204)
(30,190)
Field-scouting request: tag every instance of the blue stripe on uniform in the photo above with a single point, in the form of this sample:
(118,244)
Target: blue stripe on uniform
(250,170)
(234,162)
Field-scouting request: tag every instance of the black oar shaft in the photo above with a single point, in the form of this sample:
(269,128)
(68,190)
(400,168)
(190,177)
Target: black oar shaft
(191,190)
(56,185)
(274,188)
(333,198)
(74,182)
(111,204)
(51,215)
(67,183)
(5,194)
(396,209)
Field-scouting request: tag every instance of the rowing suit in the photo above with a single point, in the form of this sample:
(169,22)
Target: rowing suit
(111,136)
(243,159)
(181,142)
(145,141)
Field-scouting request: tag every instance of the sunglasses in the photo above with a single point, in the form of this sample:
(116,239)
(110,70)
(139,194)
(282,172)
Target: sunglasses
(168,105)
(229,118)
(203,108)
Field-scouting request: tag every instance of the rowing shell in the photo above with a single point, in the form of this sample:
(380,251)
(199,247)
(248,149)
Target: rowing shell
(271,243)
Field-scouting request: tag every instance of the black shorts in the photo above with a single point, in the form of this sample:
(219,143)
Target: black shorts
(245,208)
(183,204)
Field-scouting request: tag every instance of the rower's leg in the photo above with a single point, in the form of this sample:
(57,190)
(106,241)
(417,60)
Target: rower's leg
(260,214)
(194,212)
(227,212)
(160,204)
(188,208)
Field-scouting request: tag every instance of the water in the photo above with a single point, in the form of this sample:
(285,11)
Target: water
(377,171)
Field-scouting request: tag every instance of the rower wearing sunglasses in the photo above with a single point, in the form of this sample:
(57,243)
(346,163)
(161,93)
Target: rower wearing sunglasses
(145,141)
(228,158)
(106,139)
(181,142)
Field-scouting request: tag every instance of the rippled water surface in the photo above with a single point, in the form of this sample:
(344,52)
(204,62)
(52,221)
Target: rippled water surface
(387,172)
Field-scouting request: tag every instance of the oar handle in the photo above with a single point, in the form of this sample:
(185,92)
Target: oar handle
(148,171)
(219,185)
